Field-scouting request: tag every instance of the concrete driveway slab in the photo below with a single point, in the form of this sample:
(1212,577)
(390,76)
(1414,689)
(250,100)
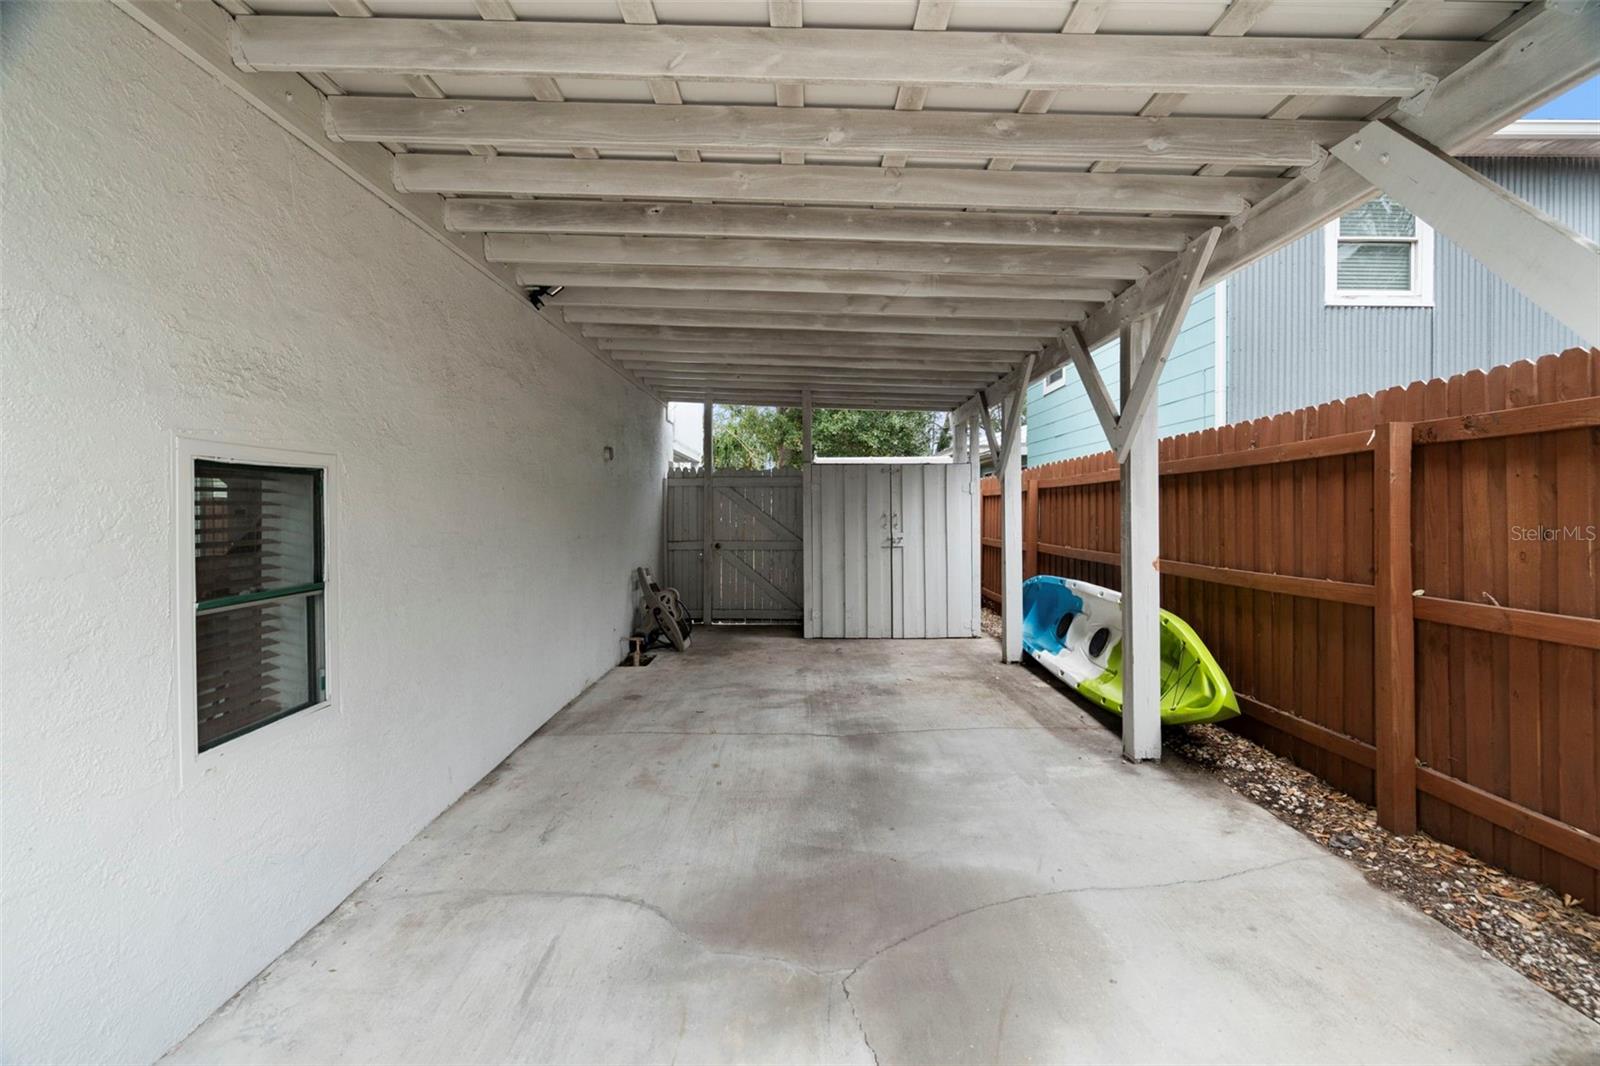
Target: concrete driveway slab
(776,850)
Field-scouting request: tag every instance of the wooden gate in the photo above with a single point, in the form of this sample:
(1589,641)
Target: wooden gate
(751,533)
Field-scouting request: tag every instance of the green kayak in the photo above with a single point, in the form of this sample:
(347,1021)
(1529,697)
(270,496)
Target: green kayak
(1074,630)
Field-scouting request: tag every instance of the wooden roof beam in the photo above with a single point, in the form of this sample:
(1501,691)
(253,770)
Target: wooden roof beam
(1022,61)
(870,400)
(829,184)
(532,126)
(917,384)
(954,381)
(925,361)
(748,254)
(584,298)
(799,347)
(935,395)
(661,219)
(834,282)
(754,336)
(896,324)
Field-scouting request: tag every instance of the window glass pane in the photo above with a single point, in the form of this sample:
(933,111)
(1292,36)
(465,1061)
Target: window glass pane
(1375,266)
(1381,218)
(256,527)
(256,663)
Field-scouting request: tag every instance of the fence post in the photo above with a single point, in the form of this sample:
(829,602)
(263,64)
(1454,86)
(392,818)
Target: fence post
(1393,631)
(1030,526)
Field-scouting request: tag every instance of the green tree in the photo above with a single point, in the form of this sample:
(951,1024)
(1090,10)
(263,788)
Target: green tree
(759,438)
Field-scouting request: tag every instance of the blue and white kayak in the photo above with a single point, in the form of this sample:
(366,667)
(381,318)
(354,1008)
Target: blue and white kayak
(1074,630)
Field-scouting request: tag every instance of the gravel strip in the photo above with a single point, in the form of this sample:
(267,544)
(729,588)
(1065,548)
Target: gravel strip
(1551,940)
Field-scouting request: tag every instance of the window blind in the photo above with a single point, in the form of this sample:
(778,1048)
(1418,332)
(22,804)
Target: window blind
(259,587)
(1376,243)
(1375,266)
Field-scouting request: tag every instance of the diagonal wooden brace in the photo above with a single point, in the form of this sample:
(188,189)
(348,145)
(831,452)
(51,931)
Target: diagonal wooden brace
(1141,393)
(1104,408)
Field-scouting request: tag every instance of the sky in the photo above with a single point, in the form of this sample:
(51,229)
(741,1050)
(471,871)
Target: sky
(1581,102)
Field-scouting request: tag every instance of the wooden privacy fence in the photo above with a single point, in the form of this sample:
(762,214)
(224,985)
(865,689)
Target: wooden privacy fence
(1402,589)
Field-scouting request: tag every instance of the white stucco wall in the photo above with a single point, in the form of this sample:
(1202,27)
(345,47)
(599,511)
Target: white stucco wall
(175,263)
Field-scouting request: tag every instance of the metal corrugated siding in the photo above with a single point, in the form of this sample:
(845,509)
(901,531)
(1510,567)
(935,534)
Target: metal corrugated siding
(1286,349)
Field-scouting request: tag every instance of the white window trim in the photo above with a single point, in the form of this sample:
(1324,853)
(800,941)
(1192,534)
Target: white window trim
(1419,295)
(1060,374)
(192,762)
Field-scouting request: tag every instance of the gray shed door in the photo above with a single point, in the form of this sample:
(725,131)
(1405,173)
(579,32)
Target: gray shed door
(890,550)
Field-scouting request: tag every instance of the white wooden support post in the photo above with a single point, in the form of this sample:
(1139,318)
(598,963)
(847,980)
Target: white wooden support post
(708,514)
(1556,268)
(1141,586)
(968,430)
(958,439)
(807,454)
(1009,468)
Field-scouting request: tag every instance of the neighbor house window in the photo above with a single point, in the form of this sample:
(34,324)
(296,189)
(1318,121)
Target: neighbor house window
(1055,379)
(260,592)
(1379,255)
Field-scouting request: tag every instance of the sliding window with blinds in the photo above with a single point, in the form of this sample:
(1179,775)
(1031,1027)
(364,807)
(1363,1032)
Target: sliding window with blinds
(1380,255)
(260,643)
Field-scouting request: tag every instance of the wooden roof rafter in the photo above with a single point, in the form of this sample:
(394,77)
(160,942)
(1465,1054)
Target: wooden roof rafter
(1130,62)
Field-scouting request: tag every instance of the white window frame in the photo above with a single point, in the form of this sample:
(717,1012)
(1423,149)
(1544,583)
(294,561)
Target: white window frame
(193,762)
(1060,376)
(1419,295)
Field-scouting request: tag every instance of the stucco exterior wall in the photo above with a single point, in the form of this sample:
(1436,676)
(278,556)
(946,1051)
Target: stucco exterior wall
(175,264)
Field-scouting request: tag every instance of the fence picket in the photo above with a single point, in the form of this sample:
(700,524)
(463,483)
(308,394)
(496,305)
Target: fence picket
(1523,691)
(1575,510)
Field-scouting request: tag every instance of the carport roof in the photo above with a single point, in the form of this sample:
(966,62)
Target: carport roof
(885,203)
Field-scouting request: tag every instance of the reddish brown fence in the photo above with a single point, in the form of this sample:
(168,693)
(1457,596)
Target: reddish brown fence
(1402,589)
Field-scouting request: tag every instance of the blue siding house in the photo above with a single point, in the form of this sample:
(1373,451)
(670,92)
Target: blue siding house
(1373,300)
(1062,425)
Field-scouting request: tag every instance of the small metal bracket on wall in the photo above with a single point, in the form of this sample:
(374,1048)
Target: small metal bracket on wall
(540,293)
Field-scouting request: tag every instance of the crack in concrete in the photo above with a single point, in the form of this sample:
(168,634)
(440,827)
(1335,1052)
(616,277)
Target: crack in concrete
(1078,890)
(612,897)
(860,1026)
(844,983)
